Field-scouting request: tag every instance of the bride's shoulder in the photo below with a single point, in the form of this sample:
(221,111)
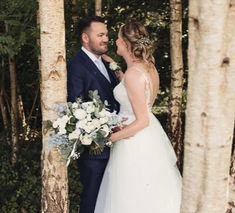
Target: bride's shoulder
(134,75)
(134,72)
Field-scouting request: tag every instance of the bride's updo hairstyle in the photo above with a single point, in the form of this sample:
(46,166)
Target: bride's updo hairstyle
(138,38)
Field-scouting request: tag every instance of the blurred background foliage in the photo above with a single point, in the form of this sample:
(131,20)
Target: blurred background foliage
(19,39)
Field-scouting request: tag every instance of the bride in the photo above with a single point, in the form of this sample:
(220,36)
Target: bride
(141,175)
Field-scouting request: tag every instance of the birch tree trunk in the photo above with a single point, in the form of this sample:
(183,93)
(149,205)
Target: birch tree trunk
(21,113)
(231,197)
(3,107)
(53,90)
(98,7)
(210,106)
(14,111)
(175,107)
(3,110)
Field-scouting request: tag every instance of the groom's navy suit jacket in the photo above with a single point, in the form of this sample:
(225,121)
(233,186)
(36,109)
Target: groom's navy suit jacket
(83,76)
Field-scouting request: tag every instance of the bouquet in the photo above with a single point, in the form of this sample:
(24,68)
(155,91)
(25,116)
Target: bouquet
(83,124)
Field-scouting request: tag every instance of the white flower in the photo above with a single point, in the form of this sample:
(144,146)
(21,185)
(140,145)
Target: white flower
(104,120)
(92,119)
(109,144)
(62,131)
(75,134)
(108,113)
(90,109)
(60,122)
(114,66)
(89,127)
(87,104)
(86,139)
(96,122)
(102,113)
(88,117)
(80,114)
(55,124)
(81,124)
(106,103)
(75,105)
(65,118)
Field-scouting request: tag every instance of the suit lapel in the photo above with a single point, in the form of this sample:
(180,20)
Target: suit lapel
(91,67)
(112,76)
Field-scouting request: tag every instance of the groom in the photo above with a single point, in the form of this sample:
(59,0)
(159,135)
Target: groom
(87,71)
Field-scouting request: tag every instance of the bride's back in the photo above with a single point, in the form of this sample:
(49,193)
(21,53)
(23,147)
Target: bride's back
(151,78)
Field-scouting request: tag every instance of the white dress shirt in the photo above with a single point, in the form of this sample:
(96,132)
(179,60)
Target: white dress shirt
(98,62)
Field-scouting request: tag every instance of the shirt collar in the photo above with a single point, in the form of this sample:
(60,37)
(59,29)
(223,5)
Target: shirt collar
(90,55)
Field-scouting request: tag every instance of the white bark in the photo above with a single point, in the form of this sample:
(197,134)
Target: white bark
(53,90)
(98,7)
(231,198)
(210,107)
(175,106)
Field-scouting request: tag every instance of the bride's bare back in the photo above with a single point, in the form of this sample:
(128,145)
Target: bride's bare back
(142,86)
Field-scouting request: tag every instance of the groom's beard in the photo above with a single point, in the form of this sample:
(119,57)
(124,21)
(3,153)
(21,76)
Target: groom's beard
(101,49)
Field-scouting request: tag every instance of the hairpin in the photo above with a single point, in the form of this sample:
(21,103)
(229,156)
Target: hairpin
(144,41)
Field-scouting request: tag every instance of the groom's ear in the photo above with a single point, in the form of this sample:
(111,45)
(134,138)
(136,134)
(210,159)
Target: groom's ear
(85,38)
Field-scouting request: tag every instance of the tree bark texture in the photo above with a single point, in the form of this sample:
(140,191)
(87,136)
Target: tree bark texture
(210,106)
(98,7)
(3,107)
(176,92)
(53,90)
(14,111)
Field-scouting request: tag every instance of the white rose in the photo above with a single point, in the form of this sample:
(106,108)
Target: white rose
(108,113)
(82,124)
(104,120)
(88,117)
(65,118)
(75,105)
(106,103)
(75,134)
(61,122)
(85,139)
(90,109)
(62,131)
(87,104)
(96,123)
(102,113)
(55,124)
(113,66)
(89,127)
(80,114)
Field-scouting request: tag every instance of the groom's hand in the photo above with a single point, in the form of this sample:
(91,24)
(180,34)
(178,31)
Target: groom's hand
(119,74)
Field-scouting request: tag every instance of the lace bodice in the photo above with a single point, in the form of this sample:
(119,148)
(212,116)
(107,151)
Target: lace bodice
(121,95)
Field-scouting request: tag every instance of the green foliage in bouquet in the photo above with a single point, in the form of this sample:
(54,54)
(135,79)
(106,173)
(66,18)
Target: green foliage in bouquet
(82,124)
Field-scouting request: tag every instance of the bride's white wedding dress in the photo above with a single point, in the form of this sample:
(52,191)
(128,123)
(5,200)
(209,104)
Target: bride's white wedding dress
(141,175)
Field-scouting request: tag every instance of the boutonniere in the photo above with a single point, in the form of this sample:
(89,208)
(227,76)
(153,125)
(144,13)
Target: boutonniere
(114,66)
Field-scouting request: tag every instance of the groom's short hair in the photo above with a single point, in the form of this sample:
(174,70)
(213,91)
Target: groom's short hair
(85,23)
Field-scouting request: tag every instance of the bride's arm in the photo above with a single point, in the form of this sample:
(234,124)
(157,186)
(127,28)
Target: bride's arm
(135,85)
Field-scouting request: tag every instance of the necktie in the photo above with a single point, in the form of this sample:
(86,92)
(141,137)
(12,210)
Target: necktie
(102,69)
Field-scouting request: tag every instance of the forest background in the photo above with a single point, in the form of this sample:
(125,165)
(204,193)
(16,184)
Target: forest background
(21,117)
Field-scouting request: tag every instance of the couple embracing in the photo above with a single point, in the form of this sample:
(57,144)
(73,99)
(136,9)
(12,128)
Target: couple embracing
(139,173)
